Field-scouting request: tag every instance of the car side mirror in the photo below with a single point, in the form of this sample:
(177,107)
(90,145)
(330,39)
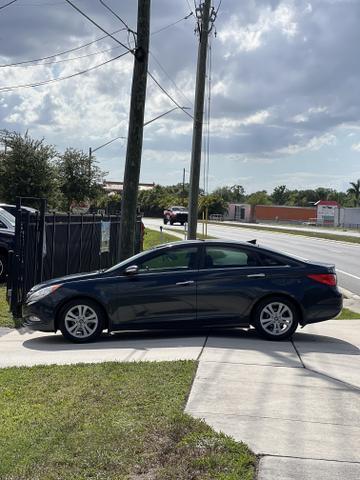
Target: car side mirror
(132,270)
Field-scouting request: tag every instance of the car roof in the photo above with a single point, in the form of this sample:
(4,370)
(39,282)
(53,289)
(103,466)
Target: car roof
(218,241)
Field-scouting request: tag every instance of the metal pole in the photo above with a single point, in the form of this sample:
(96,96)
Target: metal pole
(135,133)
(198,120)
(183,188)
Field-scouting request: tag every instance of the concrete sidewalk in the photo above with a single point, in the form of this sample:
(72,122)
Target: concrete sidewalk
(297,404)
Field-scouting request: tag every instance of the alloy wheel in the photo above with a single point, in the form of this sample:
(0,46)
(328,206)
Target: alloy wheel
(81,321)
(276,318)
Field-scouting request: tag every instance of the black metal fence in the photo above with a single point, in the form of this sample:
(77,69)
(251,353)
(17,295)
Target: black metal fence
(53,245)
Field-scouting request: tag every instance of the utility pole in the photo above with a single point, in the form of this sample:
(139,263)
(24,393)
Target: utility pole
(204,16)
(135,132)
(183,188)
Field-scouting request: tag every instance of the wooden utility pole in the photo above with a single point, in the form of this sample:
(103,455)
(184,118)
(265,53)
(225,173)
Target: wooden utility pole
(204,23)
(135,132)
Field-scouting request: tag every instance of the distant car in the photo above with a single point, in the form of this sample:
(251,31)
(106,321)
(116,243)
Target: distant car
(187,285)
(7,235)
(175,215)
(12,208)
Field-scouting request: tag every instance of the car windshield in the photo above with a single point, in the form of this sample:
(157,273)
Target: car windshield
(179,209)
(10,218)
(131,260)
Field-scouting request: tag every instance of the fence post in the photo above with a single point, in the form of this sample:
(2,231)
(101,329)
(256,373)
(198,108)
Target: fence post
(14,306)
(41,252)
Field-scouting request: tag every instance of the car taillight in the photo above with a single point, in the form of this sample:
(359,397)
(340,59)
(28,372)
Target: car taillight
(325,278)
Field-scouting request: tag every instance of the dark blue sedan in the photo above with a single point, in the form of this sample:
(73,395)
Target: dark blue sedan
(189,284)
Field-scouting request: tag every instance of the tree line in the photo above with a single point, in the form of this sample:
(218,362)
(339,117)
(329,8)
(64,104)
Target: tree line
(31,168)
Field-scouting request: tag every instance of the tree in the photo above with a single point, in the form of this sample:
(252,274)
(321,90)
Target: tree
(259,198)
(234,194)
(280,195)
(77,180)
(27,169)
(354,191)
(214,203)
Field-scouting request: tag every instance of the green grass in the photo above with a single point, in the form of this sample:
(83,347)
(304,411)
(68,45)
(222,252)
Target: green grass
(347,314)
(5,317)
(110,421)
(327,236)
(153,238)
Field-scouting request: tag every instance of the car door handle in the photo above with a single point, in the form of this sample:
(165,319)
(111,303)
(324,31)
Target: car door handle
(183,284)
(256,275)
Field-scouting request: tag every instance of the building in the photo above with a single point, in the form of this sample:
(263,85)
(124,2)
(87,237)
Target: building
(239,212)
(113,187)
(327,213)
(285,214)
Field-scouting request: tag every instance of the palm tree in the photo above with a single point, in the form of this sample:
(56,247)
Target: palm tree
(355,191)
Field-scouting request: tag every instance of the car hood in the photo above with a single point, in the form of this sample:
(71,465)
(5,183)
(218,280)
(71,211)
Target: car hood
(67,279)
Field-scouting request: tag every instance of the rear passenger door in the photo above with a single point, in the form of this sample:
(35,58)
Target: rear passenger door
(230,281)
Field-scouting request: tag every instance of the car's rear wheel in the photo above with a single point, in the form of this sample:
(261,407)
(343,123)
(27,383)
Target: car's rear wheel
(165,221)
(276,318)
(3,267)
(81,321)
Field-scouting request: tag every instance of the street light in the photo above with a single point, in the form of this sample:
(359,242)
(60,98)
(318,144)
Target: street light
(91,151)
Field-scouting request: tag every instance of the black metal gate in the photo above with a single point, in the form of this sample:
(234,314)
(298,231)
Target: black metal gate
(53,245)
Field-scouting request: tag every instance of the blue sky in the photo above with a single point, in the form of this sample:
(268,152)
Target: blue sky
(285,97)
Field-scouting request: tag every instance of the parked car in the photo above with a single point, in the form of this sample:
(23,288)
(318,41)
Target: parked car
(7,235)
(12,208)
(189,284)
(175,215)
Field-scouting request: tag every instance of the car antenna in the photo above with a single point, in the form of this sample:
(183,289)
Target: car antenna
(253,242)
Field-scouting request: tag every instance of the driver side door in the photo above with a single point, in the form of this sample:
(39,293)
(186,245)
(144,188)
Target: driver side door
(163,290)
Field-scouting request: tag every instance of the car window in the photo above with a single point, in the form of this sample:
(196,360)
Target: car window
(217,257)
(271,261)
(172,259)
(2,224)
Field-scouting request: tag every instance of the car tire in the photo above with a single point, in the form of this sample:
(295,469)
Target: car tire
(165,221)
(276,318)
(3,267)
(81,321)
(171,222)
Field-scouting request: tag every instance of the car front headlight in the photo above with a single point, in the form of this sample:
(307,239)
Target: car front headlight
(40,294)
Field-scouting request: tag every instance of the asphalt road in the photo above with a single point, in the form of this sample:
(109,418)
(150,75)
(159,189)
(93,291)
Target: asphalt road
(345,256)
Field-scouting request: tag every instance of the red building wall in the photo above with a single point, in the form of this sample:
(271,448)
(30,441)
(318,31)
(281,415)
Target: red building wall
(282,213)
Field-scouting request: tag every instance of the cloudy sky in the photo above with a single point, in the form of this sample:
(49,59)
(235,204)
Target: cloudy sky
(285,101)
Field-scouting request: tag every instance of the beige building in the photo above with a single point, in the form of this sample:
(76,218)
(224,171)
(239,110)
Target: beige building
(113,187)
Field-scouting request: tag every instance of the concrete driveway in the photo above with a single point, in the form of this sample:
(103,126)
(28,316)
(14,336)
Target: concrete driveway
(295,403)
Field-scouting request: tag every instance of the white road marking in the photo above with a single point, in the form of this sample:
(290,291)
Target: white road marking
(349,274)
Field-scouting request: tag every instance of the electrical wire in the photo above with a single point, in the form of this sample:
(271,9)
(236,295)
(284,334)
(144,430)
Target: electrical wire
(172,24)
(168,94)
(67,59)
(7,4)
(218,7)
(171,80)
(121,20)
(60,53)
(97,25)
(53,80)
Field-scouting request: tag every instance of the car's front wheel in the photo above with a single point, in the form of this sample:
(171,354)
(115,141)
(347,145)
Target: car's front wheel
(81,321)
(276,318)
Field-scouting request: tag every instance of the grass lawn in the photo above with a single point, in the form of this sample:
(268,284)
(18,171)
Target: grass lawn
(153,238)
(347,314)
(110,421)
(5,317)
(328,236)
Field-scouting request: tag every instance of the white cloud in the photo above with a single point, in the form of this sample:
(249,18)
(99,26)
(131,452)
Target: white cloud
(356,147)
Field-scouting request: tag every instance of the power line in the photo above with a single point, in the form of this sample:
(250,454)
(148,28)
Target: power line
(7,4)
(53,80)
(168,94)
(117,16)
(66,59)
(217,10)
(60,53)
(172,24)
(97,25)
(171,80)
